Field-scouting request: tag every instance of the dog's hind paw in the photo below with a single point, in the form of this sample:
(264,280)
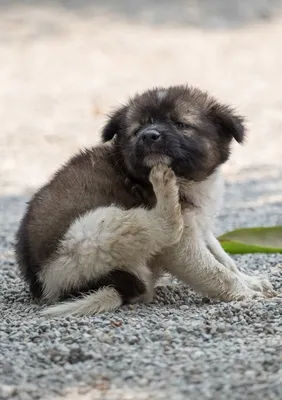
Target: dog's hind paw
(161,175)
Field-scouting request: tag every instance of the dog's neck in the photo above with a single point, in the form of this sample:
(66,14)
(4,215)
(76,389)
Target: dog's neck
(193,194)
(201,193)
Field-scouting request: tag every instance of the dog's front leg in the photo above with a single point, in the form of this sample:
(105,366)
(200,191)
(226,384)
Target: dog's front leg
(216,249)
(254,282)
(191,261)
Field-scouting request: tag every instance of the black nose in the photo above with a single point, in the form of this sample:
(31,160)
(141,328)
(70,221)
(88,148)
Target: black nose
(150,136)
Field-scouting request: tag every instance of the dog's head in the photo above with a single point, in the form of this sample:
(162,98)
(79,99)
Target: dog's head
(180,126)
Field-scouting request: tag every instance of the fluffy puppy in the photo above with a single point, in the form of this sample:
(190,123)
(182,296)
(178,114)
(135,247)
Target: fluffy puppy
(117,215)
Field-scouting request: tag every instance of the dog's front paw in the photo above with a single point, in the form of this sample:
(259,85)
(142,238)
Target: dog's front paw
(240,292)
(247,287)
(260,285)
(161,175)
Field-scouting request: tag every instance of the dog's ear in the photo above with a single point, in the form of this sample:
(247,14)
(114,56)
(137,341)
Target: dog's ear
(228,124)
(115,124)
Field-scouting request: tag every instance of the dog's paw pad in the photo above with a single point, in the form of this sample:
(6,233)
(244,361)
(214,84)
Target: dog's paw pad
(169,176)
(161,174)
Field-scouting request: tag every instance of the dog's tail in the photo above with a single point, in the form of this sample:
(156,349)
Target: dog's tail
(104,299)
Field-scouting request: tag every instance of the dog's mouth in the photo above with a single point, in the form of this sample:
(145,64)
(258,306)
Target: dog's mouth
(154,152)
(154,158)
(153,147)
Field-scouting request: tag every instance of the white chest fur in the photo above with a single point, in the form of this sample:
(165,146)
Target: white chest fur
(207,197)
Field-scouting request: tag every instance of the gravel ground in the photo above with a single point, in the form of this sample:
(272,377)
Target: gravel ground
(63,66)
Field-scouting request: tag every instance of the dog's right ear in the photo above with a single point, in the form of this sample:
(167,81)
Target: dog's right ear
(115,124)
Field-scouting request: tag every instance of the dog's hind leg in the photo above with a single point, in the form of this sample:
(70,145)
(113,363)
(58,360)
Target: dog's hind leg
(108,240)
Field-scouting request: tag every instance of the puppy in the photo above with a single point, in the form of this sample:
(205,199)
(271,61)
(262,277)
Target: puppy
(116,216)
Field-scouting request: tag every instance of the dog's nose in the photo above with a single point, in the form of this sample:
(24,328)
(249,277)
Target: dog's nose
(150,136)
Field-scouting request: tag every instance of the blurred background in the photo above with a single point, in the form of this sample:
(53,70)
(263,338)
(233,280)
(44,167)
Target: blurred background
(65,64)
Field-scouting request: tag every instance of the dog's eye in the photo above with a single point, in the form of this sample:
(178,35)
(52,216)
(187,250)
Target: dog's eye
(182,125)
(135,131)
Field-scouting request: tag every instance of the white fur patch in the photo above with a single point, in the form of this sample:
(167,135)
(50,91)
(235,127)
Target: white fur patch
(103,300)
(81,255)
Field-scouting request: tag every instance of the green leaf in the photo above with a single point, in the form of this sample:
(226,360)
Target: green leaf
(253,240)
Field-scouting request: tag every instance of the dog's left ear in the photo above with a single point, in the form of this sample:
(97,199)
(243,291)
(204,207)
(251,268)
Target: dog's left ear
(114,125)
(227,122)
